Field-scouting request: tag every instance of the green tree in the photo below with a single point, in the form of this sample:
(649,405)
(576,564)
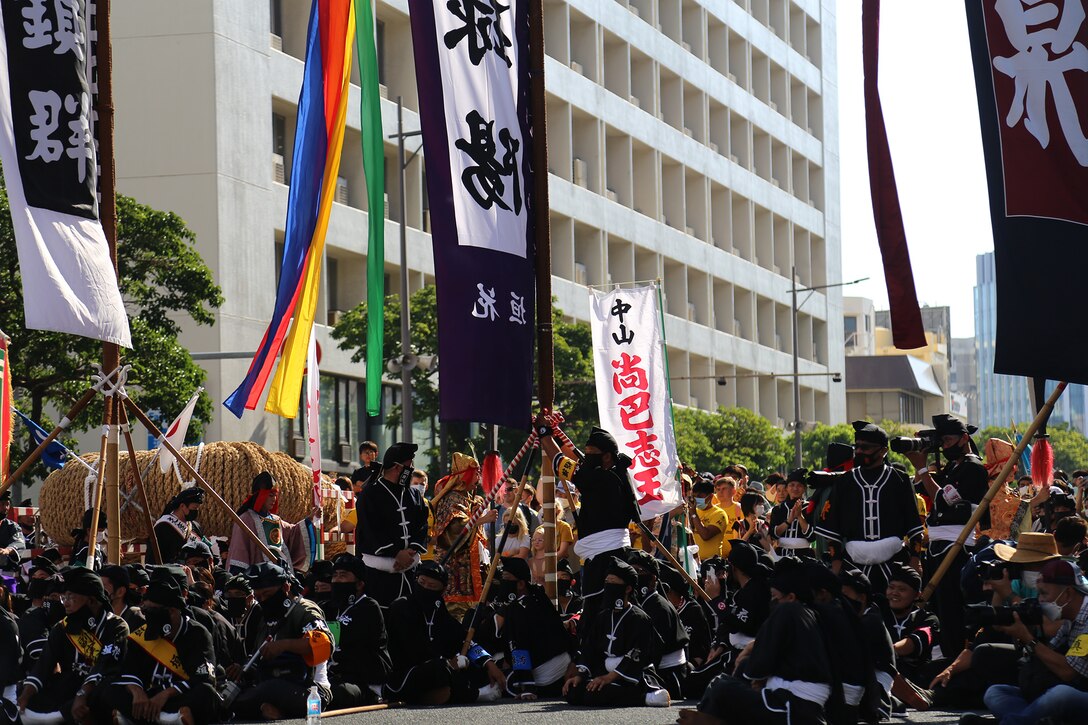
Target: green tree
(163,279)
(814,442)
(712,441)
(575,394)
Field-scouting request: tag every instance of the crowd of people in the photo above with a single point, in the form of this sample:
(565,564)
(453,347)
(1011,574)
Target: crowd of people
(795,599)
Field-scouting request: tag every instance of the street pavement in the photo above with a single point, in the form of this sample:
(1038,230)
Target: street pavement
(556,711)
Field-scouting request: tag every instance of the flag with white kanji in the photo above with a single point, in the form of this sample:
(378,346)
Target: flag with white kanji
(49,155)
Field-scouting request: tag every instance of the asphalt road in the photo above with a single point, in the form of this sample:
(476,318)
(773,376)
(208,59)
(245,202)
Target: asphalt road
(508,712)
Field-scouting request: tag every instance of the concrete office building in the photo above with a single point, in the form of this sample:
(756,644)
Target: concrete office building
(691,141)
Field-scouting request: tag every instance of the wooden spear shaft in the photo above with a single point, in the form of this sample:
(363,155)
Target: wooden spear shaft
(997,485)
(92,533)
(154,429)
(139,479)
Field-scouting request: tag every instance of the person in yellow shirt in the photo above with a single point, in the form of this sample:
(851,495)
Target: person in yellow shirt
(708,521)
(724,492)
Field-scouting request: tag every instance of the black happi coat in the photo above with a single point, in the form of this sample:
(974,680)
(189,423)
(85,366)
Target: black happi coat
(195,655)
(391,518)
(746,613)
(885,493)
(789,645)
(418,634)
(693,620)
(922,628)
(362,652)
(34,626)
(11,656)
(666,622)
(626,633)
(111,634)
(531,623)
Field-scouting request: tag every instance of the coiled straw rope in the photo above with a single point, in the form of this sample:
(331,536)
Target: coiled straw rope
(228,466)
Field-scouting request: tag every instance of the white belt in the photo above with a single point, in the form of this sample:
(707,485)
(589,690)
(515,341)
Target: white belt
(885,679)
(817,692)
(388,563)
(673,659)
(951,532)
(873,552)
(602,541)
(611,663)
(740,641)
(551,670)
(794,543)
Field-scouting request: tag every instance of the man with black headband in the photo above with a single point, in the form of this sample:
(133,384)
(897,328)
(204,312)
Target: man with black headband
(608,506)
(295,656)
(360,661)
(177,526)
(871,511)
(956,491)
(392,526)
(259,513)
(169,669)
(87,646)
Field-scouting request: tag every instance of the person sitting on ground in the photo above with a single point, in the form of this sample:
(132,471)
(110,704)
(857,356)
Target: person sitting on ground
(360,662)
(117,583)
(670,662)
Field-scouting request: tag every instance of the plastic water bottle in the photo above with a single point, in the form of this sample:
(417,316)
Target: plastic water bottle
(313,707)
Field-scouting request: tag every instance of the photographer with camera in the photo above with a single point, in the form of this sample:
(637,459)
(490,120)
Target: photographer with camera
(1053,674)
(956,490)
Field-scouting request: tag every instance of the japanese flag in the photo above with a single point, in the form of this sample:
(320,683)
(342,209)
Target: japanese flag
(176,432)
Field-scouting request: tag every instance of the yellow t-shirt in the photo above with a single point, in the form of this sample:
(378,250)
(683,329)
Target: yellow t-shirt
(430,555)
(718,518)
(563,531)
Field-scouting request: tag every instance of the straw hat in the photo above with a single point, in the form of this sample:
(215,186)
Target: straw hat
(1031,548)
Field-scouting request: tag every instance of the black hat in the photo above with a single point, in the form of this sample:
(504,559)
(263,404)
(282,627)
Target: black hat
(238,583)
(348,563)
(193,494)
(517,567)
(85,522)
(838,455)
(322,569)
(623,570)
(169,572)
(821,577)
(856,580)
(601,439)
(263,481)
(42,563)
(80,580)
(137,575)
(644,559)
(434,570)
(745,557)
(564,565)
(117,575)
(949,425)
(399,453)
(866,432)
(790,577)
(5,496)
(907,575)
(196,548)
(165,593)
(266,574)
(675,581)
(797,475)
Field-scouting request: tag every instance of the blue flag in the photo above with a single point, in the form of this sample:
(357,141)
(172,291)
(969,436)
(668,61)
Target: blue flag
(54,455)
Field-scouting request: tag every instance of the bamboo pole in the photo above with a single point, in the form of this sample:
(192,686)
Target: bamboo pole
(361,708)
(154,429)
(672,560)
(61,426)
(92,532)
(998,483)
(151,538)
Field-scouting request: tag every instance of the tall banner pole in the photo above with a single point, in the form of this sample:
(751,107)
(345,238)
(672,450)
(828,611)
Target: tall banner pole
(542,232)
(111,353)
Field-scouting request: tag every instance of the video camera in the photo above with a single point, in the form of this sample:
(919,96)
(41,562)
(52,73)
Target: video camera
(925,441)
(1031,613)
(995,570)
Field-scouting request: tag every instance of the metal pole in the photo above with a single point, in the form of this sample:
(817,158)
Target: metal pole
(111,353)
(405,313)
(796,378)
(542,225)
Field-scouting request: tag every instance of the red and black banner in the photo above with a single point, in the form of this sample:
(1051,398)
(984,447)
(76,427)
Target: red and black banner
(1031,75)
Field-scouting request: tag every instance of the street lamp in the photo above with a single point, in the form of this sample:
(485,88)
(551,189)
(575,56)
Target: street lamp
(837,377)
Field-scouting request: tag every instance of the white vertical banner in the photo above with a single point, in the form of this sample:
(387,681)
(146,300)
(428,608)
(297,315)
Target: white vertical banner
(47,147)
(633,392)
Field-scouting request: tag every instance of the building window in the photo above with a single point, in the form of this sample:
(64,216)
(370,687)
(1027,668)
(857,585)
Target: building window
(275,13)
(850,328)
(379,46)
(342,424)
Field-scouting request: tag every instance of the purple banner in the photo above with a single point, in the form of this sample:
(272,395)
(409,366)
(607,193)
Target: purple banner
(472,72)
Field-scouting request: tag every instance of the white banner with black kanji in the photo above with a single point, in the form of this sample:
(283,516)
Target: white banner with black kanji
(47,146)
(633,392)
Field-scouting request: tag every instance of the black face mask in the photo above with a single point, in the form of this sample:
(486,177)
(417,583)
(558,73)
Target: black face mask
(79,620)
(509,590)
(274,607)
(428,598)
(866,460)
(593,460)
(236,607)
(192,515)
(37,589)
(645,583)
(54,611)
(563,586)
(405,477)
(954,453)
(342,591)
(158,623)
(614,594)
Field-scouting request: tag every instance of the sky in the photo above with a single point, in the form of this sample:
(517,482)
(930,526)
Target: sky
(928,94)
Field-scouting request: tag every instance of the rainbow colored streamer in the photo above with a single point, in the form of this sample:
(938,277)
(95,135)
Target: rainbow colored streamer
(319,136)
